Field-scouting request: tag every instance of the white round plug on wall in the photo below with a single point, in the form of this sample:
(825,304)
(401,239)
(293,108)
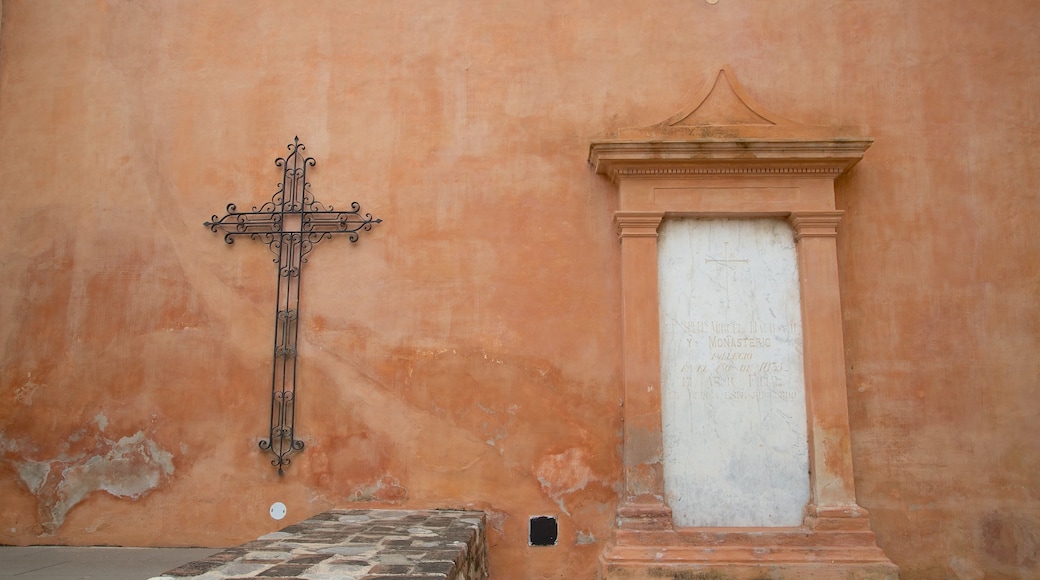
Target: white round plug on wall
(277,510)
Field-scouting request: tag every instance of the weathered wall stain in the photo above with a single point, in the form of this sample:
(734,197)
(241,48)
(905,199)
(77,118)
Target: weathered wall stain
(1011,539)
(128,468)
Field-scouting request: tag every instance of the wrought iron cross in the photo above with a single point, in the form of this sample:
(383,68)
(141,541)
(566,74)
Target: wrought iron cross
(290,224)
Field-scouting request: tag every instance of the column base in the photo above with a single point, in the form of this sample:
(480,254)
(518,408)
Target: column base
(830,546)
(647,514)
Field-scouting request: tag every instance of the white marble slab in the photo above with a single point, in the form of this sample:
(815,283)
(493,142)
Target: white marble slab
(733,392)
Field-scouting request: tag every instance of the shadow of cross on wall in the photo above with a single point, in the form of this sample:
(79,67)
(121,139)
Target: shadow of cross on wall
(290,224)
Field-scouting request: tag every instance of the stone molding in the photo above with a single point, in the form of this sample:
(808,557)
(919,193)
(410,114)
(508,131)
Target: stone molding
(617,158)
(815,224)
(666,172)
(637,224)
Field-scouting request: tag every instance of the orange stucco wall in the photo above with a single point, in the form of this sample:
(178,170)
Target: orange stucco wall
(466,352)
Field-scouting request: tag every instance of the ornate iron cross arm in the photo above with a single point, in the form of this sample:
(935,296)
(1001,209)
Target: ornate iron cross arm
(290,224)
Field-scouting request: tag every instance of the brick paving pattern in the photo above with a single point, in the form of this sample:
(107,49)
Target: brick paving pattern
(357,545)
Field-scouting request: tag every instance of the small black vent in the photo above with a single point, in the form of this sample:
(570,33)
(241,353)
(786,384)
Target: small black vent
(544,531)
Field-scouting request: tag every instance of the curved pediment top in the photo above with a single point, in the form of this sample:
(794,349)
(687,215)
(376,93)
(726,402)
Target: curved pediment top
(723,102)
(724,110)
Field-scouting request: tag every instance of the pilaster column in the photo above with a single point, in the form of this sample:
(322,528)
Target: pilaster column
(830,450)
(642,506)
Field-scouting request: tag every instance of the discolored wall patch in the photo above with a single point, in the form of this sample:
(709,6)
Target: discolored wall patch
(127,468)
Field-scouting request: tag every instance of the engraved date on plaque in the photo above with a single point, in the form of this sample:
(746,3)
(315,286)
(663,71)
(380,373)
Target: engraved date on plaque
(741,363)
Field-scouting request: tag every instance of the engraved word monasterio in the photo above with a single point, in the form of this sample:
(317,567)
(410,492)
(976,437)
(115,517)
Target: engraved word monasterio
(738,342)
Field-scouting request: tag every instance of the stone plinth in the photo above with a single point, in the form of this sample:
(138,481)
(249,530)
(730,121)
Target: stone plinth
(826,547)
(358,545)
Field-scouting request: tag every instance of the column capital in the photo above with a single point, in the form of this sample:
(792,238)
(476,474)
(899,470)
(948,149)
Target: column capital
(637,224)
(815,224)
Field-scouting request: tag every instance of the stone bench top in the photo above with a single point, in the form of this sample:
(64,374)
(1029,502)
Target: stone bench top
(357,545)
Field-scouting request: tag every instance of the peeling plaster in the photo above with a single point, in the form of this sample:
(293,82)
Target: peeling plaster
(562,474)
(9,444)
(34,474)
(24,394)
(101,420)
(387,489)
(127,468)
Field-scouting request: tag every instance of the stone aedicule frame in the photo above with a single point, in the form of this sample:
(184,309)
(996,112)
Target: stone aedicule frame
(727,157)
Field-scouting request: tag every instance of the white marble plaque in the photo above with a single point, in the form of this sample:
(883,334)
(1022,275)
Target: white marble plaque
(733,387)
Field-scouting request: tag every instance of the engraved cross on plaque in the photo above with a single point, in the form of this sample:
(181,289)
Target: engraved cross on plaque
(290,224)
(726,262)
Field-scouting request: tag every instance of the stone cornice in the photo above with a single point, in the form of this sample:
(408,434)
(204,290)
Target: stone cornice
(668,158)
